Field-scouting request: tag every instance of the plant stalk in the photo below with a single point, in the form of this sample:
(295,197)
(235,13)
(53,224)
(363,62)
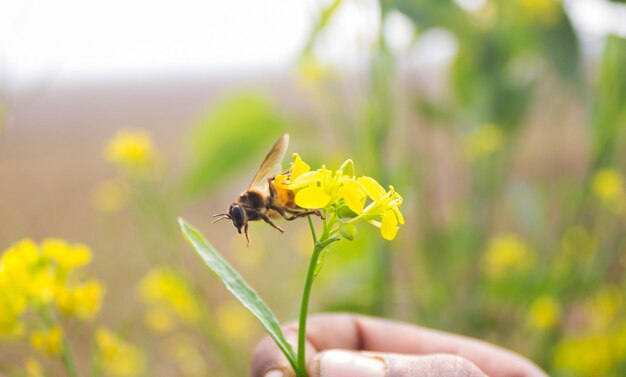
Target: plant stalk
(304,306)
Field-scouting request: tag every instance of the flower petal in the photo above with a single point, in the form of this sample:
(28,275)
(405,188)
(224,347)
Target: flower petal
(374,189)
(312,198)
(298,167)
(354,195)
(306,179)
(389,225)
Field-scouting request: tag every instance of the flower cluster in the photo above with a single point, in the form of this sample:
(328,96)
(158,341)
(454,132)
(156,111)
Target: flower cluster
(343,196)
(169,299)
(40,278)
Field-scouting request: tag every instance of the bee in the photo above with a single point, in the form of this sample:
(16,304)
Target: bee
(263,200)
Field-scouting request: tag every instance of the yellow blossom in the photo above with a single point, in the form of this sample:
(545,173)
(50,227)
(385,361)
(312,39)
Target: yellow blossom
(49,342)
(483,141)
(234,320)
(545,11)
(82,301)
(130,149)
(109,197)
(608,186)
(346,197)
(544,313)
(166,287)
(118,357)
(33,368)
(586,356)
(65,255)
(184,352)
(604,306)
(160,319)
(506,254)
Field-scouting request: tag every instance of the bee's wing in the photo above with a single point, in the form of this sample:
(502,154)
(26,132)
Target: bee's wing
(271,165)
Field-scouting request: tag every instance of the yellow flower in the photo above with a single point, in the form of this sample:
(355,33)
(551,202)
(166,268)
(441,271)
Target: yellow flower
(49,342)
(608,186)
(109,197)
(65,255)
(166,287)
(160,319)
(483,141)
(118,357)
(604,306)
(545,11)
(33,368)
(130,149)
(234,320)
(586,356)
(346,197)
(506,254)
(185,353)
(544,313)
(82,301)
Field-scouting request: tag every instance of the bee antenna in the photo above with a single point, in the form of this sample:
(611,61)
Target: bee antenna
(223,216)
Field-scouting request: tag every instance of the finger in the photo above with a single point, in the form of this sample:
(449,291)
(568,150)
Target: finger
(339,363)
(350,332)
(268,360)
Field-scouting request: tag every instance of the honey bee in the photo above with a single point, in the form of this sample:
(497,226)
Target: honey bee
(263,200)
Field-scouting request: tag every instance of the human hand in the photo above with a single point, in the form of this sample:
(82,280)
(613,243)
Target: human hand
(346,345)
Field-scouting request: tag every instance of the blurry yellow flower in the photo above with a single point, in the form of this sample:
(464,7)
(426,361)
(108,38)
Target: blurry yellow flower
(608,186)
(184,352)
(130,149)
(604,306)
(118,357)
(109,196)
(506,254)
(49,342)
(545,11)
(586,356)
(544,313)
(160,319)
(65,255)
(33,368)
(82,301)
(167,287)
(234,320)
(311,72)
(483,141)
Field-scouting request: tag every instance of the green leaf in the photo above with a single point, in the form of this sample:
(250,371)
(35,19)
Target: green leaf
(238,287)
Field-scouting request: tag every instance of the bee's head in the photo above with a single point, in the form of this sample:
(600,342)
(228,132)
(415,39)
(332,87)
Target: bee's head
(235,213)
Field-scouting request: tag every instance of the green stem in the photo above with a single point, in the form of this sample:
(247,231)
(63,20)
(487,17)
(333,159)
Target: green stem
(68,359)
(304,306)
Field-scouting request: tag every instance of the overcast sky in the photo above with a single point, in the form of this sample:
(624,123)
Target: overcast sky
(78,40)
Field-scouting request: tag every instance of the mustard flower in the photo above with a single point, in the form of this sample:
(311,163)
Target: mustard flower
(345,197)
(49,342)
(82,301)
(130,149)
(544,313)
(117,356)
(483,141)
(608,186)
(33,368)
(507,254)
(166,288)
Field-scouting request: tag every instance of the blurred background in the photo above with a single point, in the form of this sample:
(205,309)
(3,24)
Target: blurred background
(499,121)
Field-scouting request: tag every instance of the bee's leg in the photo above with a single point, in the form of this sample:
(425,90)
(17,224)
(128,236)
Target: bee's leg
(267,220)
(301,214)
(245,231)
